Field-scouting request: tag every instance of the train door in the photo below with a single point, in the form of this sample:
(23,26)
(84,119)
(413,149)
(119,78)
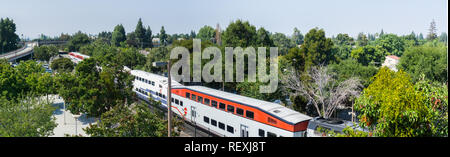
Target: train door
(244,131)
(193,113)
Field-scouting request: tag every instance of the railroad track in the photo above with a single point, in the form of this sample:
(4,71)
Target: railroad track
(189,128)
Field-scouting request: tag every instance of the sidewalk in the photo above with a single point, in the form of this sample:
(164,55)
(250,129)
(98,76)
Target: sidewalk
(66,121)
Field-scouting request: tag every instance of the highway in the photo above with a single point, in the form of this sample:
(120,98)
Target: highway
(13,55)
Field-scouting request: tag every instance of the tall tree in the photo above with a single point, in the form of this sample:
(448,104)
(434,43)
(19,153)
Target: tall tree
(239,34)
(362,39)
(163,36)
(317,47)
(344,39)
(282,42)
(263,38)
(432,34)
(148,39)
(140,33)
(206,33)
(443,37)
(297,37)
(118,35)
(8,36)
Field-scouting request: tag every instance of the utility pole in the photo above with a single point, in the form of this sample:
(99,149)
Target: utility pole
(169,95)
(169,100)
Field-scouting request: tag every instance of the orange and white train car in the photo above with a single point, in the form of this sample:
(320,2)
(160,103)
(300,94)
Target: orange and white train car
(223,113)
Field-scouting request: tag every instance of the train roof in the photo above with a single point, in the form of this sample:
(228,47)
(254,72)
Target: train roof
(154,77)
(269,107)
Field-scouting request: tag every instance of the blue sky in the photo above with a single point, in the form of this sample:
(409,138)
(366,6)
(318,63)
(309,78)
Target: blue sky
(52,17)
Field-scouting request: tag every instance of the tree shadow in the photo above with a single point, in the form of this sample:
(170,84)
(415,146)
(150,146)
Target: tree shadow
(59,108)
(86,120)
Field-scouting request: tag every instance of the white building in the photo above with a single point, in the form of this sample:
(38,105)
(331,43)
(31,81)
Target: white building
(391,62)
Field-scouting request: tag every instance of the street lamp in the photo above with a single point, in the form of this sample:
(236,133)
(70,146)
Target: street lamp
(169,93)
(76,119)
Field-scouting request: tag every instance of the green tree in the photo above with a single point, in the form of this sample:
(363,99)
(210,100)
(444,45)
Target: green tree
(391,44)
(140,33)
(239,34)
(263,38)
(351,68)
(26,117)
(391,106)
(318,48)
(206,33)
(428,60)
(436,100)
(105,37)
(362,40)
(8,36)
(368,55)
(113,86)
(296,57)
(148,39)
(163,36)
(123,121)
(11,84)
(282,42)
(62,65)
(297,37)
(79,39)
(432,34)
(443,37)
(118,35)
(44,53)
(344,39)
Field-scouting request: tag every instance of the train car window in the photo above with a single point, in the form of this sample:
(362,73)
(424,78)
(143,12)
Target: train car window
(177,101)
(269,134)
(222,106)
(200,99)
(230,129)
(181,103)
(249,114)
(206,119)
(230,108)
(160,86)
(194,97)
(188,95)
(206,102)
(213,122)
(153,83)
(214,104)
(270,120)
(240,111)
(173,100)
(261,133)
(221,126)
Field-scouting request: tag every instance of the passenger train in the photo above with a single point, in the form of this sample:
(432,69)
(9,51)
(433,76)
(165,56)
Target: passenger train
(77,57)
(222,113)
